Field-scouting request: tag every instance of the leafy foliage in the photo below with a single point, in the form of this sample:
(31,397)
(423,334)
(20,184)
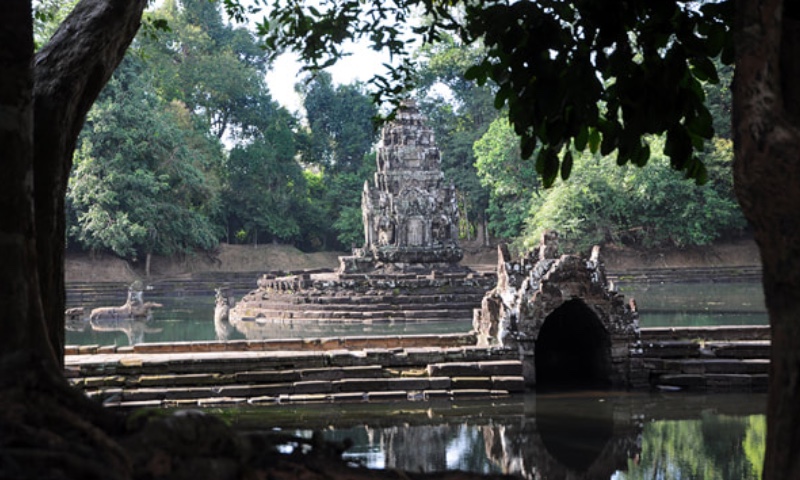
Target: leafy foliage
(513,182)
(647,206)
(141,182)
(597,75)
(340,124)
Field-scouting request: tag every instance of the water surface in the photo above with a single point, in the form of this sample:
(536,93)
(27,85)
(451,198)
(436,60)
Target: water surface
(191,318)
(587,435)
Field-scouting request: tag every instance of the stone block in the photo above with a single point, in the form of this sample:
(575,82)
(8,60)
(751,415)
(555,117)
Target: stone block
(671,349)
(453,369)
(274,389)
(437,393)
(230,346)
(263,400)
(140,394)
(512,384)
(312,386)
(439,383)
(501,367)
(366,371)
(425,355)
(269,376)
(387,395)
(220,401)
(308,398)
(348,397)
(331,373)
(408,383)
(347,359)
(468,383)
(359,385)
(727,382)
(88,349)
(682,380)
(470,393)
(107,349)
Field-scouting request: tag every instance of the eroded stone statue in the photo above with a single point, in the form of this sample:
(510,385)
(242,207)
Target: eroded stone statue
(132,318)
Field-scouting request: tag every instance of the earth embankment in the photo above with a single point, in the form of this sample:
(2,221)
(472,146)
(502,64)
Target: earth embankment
(81,267)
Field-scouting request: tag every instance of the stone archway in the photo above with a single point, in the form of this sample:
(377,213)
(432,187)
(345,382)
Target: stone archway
(573,349)
(570,326)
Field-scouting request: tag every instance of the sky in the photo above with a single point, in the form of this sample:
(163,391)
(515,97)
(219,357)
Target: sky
(285,72)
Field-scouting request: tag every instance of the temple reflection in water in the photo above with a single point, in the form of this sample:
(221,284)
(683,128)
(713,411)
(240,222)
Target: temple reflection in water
(572,436)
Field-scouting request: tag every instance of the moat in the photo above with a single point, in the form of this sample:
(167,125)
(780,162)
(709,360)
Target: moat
(189,316)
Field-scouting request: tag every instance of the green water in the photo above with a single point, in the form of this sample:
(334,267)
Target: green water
(579,435)
(190,318)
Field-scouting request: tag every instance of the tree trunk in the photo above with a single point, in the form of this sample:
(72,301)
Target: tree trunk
(70,70)
(22,327)
(147,259)
(766,120)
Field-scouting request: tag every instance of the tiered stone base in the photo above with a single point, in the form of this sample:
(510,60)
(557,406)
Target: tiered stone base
(371,298)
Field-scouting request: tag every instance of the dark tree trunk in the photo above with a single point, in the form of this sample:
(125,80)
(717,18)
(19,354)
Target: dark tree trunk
(70,71)
(766,121)
(22,329)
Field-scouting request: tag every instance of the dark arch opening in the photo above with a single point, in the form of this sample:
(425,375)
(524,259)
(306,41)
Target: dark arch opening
(575,431)
(573,350)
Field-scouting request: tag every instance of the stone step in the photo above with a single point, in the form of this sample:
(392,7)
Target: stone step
(714,333)
(352,397)
(233,362)
(358,387)
(420,300)
(685,275)
(326,317)
(444,340)
(715,382)
(459,304)
(696,349)
(714,366)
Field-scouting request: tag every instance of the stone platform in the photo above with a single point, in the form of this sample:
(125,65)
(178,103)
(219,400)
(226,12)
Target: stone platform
(401,368)
(359,298)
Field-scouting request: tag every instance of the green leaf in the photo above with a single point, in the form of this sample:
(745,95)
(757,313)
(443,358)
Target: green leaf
(566,165)
(703,68)
(547,166)
(581,138)
(594,140)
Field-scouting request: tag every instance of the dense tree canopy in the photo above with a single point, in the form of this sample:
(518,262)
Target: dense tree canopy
(142,181)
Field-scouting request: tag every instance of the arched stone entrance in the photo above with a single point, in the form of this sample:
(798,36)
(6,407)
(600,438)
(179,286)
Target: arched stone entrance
(573,349)
(569,325)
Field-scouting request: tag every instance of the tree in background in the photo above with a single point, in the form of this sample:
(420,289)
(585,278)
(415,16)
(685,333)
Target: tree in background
(340,135)
(142,181)
(648,206)
(265,189)
(215,69)
(512,182)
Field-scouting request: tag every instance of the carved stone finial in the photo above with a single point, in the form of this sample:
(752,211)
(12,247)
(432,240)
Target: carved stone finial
(548,248)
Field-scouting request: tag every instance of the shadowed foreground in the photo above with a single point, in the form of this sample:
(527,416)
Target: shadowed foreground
(50,431)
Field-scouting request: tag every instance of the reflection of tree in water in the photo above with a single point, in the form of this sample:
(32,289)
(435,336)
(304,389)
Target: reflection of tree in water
(430,448)
(713,447)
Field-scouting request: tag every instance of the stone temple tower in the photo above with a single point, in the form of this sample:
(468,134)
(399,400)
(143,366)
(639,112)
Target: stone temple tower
(410,214)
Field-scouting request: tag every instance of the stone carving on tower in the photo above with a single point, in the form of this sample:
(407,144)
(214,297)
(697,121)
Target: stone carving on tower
(410,214)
